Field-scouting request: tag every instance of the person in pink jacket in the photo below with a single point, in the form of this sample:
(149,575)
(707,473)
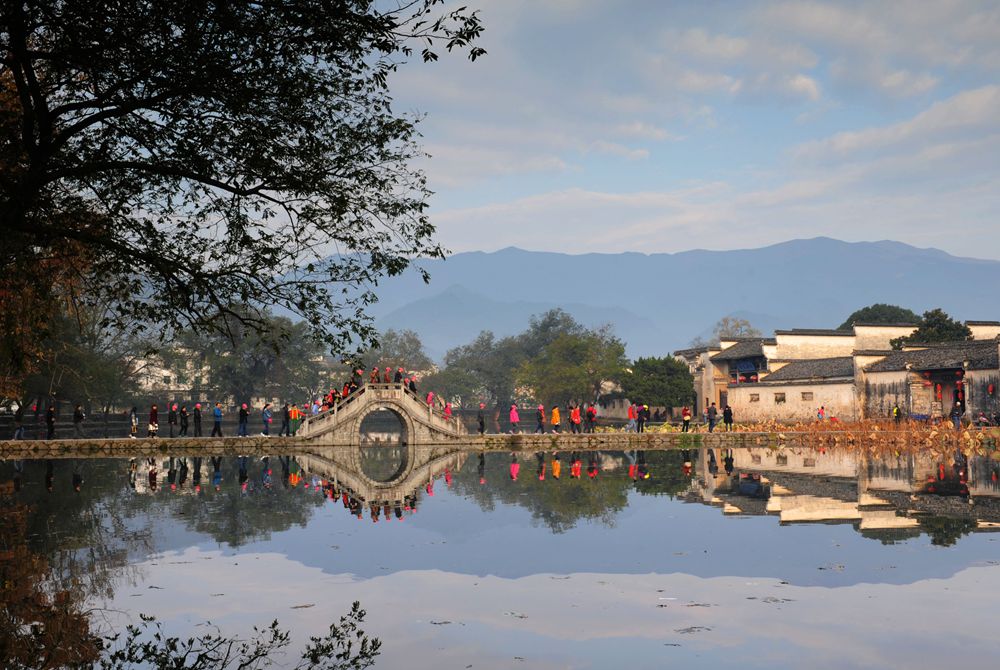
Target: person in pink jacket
(515,419)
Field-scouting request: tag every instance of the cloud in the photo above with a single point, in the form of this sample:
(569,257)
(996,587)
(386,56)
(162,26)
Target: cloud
(968,112)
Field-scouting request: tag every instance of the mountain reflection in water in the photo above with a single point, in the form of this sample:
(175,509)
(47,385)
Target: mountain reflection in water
(162,535)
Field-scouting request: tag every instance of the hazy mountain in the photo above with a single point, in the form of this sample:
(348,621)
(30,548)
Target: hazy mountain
(659,302)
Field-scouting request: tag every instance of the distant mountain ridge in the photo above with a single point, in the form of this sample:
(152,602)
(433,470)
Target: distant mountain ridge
(659,302)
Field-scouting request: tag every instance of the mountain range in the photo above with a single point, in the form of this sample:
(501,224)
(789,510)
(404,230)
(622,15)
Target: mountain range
(658,302)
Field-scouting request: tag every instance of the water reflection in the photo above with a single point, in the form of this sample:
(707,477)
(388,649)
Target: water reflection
(809,515)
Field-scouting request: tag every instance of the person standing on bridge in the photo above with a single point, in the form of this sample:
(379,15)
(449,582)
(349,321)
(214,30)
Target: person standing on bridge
(555,422)
(540,419)
(244,421)
(481,418)
(398,377)
(387,375)
(447,411)
(515,420)
(197,419)
(185,420)
(430,399)
(373,377)
(154,421)
(413,384)
(217,420)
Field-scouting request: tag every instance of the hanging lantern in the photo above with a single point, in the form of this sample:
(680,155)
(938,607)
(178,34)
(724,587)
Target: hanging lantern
(937,391)
(991,389)
(959,373)
(927,375)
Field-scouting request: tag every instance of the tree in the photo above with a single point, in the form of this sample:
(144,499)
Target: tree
(244,363)
(880,313)
(173,158)
(659,381)
(482,370)
(725,328)
(398,348)
(935,326)
(573,366)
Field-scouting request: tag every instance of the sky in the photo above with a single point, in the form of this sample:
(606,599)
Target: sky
(661,126)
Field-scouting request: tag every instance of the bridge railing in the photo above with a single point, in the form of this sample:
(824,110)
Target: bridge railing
(320,420)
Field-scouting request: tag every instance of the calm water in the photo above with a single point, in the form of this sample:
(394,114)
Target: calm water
(650,559)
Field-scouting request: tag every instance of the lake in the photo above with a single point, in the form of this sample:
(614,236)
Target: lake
(751,558)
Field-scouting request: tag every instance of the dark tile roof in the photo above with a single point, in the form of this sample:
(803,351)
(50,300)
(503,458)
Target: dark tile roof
(888,325)
(982,323)
(815,331)
(816,368)
(742,349)
(693,351)
(981,355)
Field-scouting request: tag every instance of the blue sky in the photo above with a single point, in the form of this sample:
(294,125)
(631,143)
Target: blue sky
(666,126)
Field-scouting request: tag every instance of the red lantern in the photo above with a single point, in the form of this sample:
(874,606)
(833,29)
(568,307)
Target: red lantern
(927,375)
(937,391)
(959,373)
(753,378)
(990,389)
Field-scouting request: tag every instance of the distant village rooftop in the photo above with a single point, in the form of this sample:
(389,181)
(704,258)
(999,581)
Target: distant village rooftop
(975,355)
(815,368)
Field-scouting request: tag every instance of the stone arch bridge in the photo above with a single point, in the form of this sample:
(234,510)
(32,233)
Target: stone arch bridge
(342,424)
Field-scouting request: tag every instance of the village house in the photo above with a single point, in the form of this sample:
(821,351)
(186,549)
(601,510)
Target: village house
(849,374)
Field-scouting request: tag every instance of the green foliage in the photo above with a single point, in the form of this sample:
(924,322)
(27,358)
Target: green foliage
(659,381)
(169,158)
(935,326)
(344,647)
(573,366)
(880,313)
(397,348)
(245,363)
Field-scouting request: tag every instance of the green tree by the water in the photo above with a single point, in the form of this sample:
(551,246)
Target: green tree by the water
(658,381)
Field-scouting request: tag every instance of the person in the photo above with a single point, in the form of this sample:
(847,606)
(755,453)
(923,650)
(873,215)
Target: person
(556,419)
(481,418)
(387,375)
(685,419)
(172,417)
(591,418)
(728,461)
(574,419)
(956,416)
(556,465)
(897,415)
(632,418)
(447,410)
(712,413)
(286,421)
(265,416)
(413,385)
(19,422)
(295,416)
(540,419)
(78,417)
(50,422)
(185,421)
(154,421)
(430,399)
(727,418)
(821,412)
(398,377)
(244,420)
(640,419)
(133,422)
(217,420)
(373,377)
(515,419)
(197,419)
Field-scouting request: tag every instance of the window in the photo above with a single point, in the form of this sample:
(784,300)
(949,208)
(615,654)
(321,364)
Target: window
(755,459)
(809,462)
(782,459)
(754,397)
(166,380)
(807,395)
(779,398)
